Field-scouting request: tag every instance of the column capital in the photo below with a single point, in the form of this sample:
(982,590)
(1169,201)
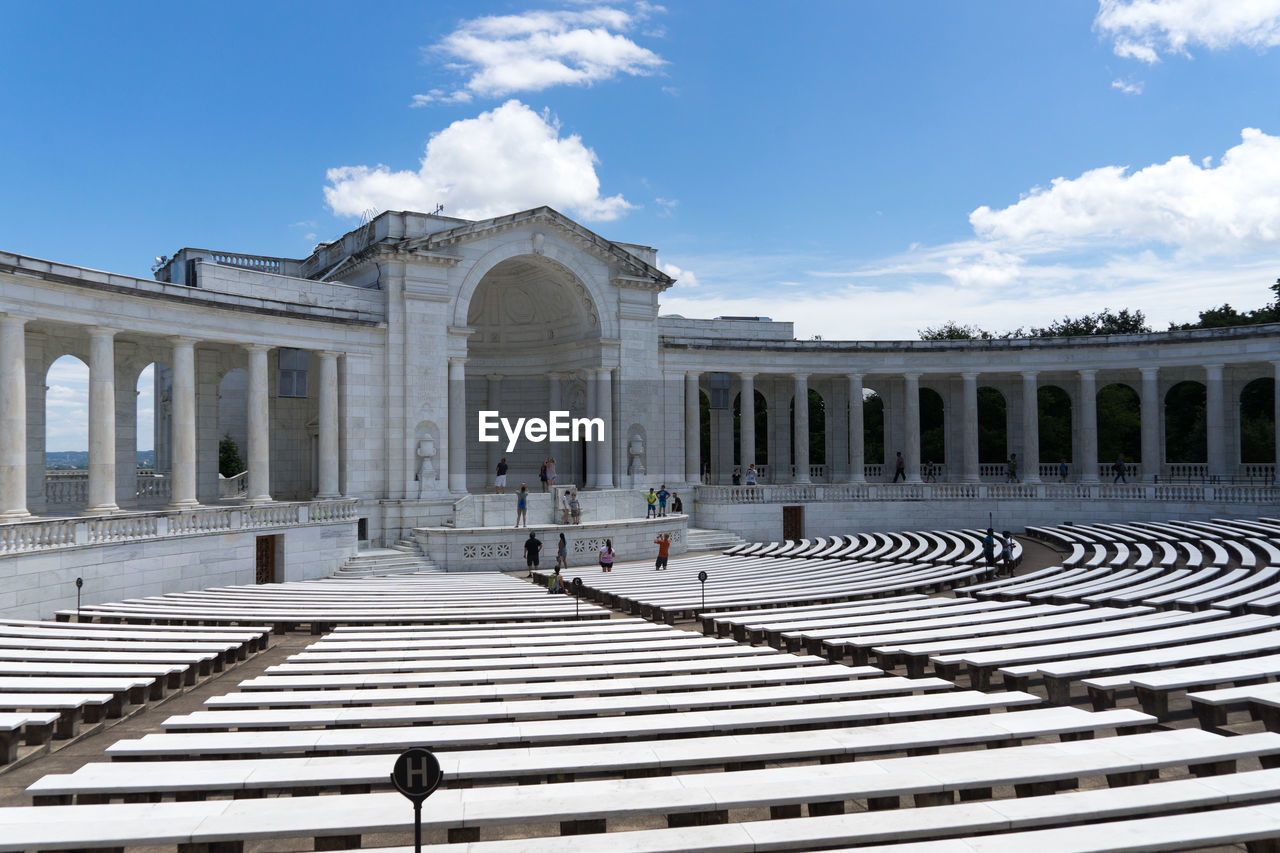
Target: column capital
(258,347)
(602,371)
(11,319)
(1089,372)
(493,377)
(1211,369)
(692,374)
(99,331)
(457,360)
(330,353)
(747,374)
(1149,372)
(969,376)
(798,376)
(183,340)
(915,374)
(1030,374)
(855,377)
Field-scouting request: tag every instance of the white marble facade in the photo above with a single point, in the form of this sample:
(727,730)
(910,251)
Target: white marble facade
(411,324)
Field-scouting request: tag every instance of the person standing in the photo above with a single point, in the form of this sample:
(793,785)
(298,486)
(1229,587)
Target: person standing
(1006,552)
(737,476)
(663,495)
(500,477)
(899,468)
(664,548)
(522,506)
(989,547)
(1012,467)
(652,500)
(564,505)
(1062,471)
(562,554)
(575,508)
(532,547)
(751,475)
(551,471)
(1119,468)
(607,555)
(542,475)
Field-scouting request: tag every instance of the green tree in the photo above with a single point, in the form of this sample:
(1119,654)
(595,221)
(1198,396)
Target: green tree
(1224,315)
(1257,421)
(1105,322)
(992,426)
(1185,432)
(933,442)
(1055,424)
(229,461)
(873,429)
(1119,423)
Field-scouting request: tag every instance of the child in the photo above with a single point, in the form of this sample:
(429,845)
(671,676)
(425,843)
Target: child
(522,505)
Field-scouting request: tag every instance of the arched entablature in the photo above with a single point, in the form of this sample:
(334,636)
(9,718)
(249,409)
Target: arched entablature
(545,253)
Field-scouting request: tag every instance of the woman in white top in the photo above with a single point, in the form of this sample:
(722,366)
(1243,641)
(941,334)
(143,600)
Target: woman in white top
(606,556)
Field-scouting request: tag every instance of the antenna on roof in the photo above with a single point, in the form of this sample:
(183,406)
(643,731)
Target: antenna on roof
(439,209)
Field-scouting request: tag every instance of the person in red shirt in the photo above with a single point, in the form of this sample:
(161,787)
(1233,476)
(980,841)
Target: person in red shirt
(664,547)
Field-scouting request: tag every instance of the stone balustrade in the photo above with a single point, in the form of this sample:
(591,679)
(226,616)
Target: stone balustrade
(45,534)
(819,492)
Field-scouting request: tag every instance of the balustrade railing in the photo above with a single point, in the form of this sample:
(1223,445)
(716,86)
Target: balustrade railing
(258,263)
(235,486)
(872,491)
(41,534)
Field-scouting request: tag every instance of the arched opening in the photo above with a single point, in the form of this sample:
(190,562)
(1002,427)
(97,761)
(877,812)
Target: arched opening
(1185,433)
(1119,424)
(1054,408)
(530,314)
(152,431)
(817,429)
(233,433)
(933,428)
(992,426)
(872,428)
(761,420)
(1258,422)
(704,437)
(66,434)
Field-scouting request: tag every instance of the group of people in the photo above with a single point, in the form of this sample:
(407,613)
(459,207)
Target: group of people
(657,502)
(1005,563)
(570,507)
(929,473)
(607,556)
(752,475)
(546,475)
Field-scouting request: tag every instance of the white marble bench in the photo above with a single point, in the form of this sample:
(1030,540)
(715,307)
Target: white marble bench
(72,708)
(506,710)
(1211,706)
(33,727)
(383,739)
(99,782)
(684,800)
(1153,688)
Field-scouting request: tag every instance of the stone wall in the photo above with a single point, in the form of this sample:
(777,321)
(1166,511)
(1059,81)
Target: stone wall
(38,584)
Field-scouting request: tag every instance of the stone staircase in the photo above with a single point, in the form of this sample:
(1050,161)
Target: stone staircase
(707,539)
(402,557)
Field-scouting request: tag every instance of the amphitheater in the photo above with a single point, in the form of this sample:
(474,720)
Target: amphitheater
(217,662)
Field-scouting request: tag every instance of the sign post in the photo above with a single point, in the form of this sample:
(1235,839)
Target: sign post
(577,595)
(79,584)
(416,774)
(702,579)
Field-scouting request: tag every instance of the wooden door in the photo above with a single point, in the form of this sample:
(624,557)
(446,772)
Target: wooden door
(793,522)
(265,560)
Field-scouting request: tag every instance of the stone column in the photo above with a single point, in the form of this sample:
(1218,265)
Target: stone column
(857,431)
(969,470)
(102,422)
(1215,421)
(1030,428)
(259,460)
(328,426)
(801,432)
(692,474)
(1151,461)
(911,417)
(1087,464)
(493,402)
(183,425)
(604,404)
(747,417)
(592,480)
(457,425)
(13,418)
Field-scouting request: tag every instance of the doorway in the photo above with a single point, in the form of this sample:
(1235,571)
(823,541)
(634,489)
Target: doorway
(793,522)
(264,563)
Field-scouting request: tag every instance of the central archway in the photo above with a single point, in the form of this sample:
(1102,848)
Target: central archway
(536,337)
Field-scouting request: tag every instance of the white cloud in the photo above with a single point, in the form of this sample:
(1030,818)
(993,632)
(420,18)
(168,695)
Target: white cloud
(66,405)
(146,436)
(1127,86)
(685,277)
(532,51)
(501,161)
(1145,29)
(1171,239)
(1195,208)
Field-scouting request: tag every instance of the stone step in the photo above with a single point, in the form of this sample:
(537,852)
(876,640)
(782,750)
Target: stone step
(385,561)
(706,539)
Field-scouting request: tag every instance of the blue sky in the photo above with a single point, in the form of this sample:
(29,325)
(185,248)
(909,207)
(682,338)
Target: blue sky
(863,169)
